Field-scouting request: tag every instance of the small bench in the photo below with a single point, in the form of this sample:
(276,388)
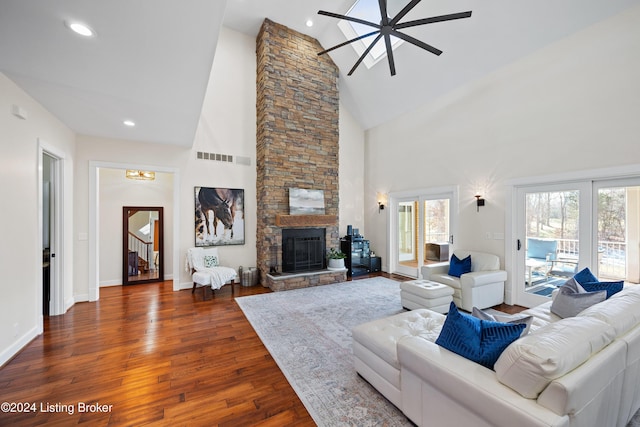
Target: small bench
(421,293)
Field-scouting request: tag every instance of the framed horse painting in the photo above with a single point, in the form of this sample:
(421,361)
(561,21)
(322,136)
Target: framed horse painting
(219,216)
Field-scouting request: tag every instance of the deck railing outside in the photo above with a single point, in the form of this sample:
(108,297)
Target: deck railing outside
(611,257)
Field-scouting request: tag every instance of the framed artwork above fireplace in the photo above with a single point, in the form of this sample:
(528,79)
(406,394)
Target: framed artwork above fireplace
(303,201)
(219,216)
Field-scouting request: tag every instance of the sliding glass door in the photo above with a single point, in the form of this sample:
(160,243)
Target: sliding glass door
(562,228)
(618,230)
(552,237)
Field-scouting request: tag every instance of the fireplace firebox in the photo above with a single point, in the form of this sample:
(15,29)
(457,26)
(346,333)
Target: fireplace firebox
(303,249)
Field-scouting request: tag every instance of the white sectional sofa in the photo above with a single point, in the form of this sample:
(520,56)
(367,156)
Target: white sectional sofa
(579,371)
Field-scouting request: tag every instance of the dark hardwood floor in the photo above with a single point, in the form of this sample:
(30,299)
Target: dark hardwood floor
(145,355)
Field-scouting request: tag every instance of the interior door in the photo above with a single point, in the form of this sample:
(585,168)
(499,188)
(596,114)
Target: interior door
(52,223)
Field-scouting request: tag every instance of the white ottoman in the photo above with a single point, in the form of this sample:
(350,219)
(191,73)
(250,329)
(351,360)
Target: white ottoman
(426,294)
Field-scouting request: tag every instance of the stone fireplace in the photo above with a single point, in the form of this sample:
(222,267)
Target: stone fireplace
(297,147)
(303,249)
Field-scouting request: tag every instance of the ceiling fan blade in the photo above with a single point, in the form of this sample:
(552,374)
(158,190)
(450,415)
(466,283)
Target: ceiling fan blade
(392,64)
(383,12)
(404,11)
(348,18)
(366,52)
(416,42)
(433,20)
(348,41)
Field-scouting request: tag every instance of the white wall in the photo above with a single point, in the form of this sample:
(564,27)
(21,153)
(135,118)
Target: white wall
(20,250)
(117,191)
(111,152)
(227,125)
(351,173)
(569,107)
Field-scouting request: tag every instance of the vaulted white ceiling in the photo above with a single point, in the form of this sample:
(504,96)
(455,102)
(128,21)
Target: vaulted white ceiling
(149,62)
(151,59)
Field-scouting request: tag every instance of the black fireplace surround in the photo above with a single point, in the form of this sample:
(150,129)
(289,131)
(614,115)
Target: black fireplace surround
(303,249)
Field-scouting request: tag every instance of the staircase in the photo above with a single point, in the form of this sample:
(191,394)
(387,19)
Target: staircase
(140,254)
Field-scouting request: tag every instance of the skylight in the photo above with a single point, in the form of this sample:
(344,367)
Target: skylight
(369,10)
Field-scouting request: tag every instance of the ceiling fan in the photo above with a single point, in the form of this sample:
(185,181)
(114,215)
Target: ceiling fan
(389,27)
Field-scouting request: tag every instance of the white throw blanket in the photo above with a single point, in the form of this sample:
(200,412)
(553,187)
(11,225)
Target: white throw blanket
(215,276)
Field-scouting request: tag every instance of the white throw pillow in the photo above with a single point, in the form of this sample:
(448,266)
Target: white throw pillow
(211,261)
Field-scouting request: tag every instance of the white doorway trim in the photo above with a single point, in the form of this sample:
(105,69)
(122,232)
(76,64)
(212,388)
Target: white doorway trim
(94,220)
(58,247)
(445,192)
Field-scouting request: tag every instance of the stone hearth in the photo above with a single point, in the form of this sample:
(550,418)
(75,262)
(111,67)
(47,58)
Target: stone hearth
(286,282)
(297,145)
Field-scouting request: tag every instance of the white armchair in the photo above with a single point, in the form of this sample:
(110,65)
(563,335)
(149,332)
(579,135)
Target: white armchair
(205,269)
(483,287)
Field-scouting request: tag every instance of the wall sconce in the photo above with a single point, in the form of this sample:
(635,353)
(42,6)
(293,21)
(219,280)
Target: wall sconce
(479,202)
(382,198)
(141,175)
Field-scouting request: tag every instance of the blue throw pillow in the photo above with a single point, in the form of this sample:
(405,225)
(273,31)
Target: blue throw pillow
(585,276)
(497,336)
(458,267)
(610,287)
(478,340)
(461,334)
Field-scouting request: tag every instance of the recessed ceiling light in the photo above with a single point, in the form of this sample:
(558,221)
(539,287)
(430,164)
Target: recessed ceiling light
(129,123)
(309,23)
(80,28)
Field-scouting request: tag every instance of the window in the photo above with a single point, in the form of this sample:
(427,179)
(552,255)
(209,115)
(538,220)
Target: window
(369,10)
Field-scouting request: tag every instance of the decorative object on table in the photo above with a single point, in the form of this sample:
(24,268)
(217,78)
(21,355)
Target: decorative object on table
(335,259)
(219,216)
(389,26)
(306,202)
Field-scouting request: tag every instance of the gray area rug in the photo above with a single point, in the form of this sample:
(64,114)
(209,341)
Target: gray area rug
(308,333)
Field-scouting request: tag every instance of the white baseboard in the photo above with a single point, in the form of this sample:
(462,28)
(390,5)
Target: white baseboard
(107,283)
(186,285)
(18,345)
(80,298)
(69,303)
